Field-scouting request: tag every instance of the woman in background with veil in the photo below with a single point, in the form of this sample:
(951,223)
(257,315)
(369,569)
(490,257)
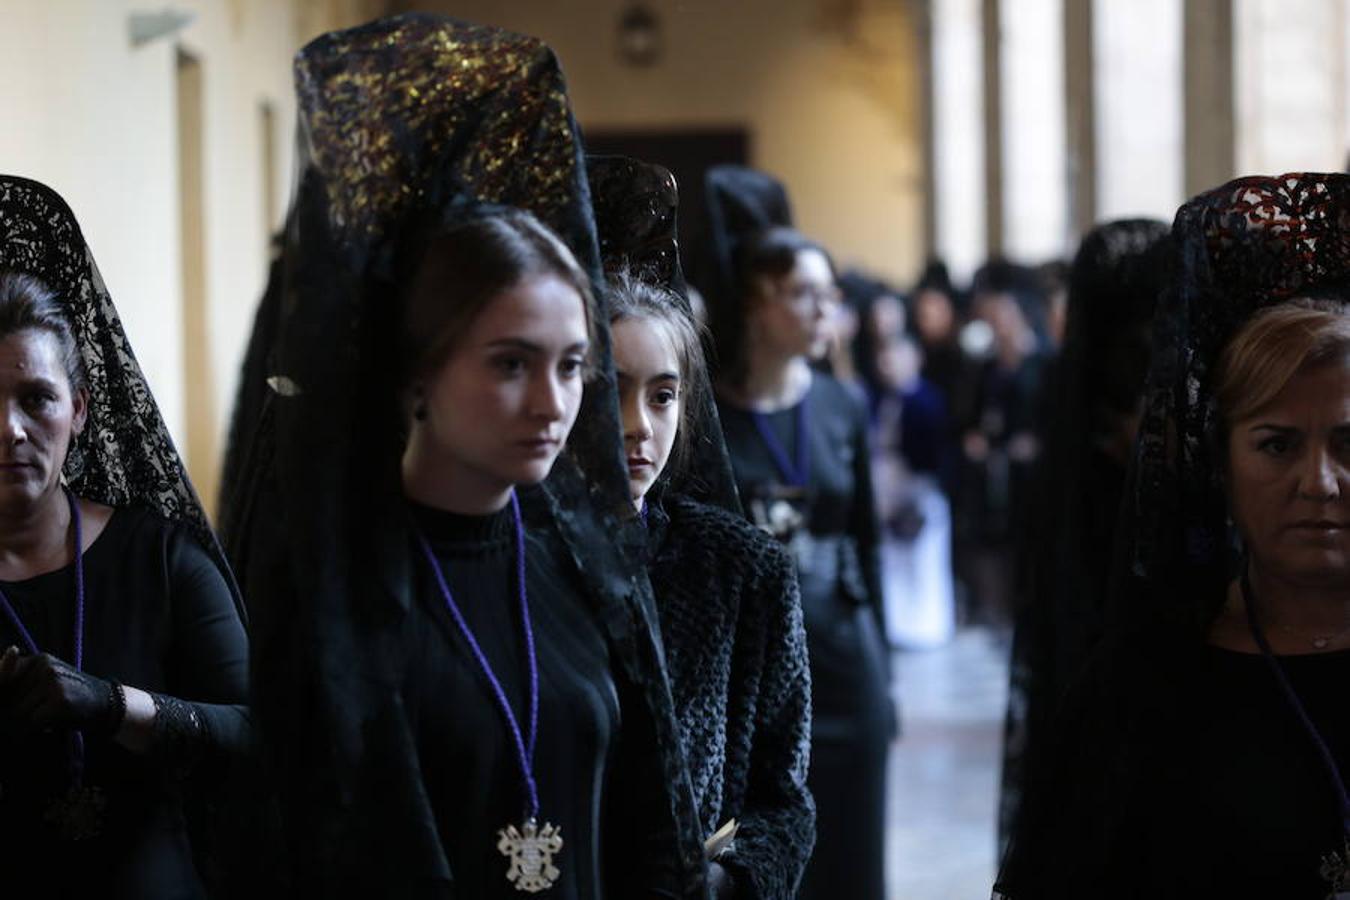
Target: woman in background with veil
(123,686)
(798,444)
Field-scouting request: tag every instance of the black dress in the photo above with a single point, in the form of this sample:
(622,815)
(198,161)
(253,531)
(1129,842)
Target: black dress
(731,623)
(836,552)
(160,617)
(595,766)
(1180,770)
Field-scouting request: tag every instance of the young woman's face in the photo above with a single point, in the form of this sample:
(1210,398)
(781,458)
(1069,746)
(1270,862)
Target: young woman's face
(499,409)
(792,314)
(649,397)
(1289,479)
(41,416)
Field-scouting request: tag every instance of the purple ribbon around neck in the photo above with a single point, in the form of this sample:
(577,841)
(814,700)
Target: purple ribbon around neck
(796,473)
(1328,759)
(77,737)
(525,743)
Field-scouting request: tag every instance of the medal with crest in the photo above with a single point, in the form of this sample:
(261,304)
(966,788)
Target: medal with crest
(530,850)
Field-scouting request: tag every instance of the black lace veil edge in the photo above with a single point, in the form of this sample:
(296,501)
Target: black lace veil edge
(125,455)
(1248,244)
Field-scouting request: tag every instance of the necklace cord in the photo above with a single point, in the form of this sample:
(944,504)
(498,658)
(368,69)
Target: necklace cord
(525,744)
(1328,760)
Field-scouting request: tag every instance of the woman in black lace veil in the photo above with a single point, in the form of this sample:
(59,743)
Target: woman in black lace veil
(1197,752)
(119,708)
(1097,384)
(410,126)
(727,593)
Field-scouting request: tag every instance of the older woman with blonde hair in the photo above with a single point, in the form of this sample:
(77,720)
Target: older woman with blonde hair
(1203,752)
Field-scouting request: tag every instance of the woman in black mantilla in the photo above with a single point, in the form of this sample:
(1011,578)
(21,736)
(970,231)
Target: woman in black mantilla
(798,444)
(1098,385)
(458,690)
(731,619)
(125,670)
(1203,750)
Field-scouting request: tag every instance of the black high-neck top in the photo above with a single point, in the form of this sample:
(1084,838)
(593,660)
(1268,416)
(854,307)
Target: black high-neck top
(592,778)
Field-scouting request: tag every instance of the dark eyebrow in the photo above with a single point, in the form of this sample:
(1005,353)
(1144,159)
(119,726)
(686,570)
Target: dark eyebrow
(516,343)
(37,381)
(1270,426)
(664,376)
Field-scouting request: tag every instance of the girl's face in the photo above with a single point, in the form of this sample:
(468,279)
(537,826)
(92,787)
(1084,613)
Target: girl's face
(792,314)
(499,409)
(649,397)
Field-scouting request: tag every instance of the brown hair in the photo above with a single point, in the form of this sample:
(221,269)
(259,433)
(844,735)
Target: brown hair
(26,303)
(631,298)
(1272,347)
(463,266)
(769,253)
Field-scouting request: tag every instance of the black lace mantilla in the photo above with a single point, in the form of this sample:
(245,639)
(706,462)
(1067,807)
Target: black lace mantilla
(125,456)
(1252,243)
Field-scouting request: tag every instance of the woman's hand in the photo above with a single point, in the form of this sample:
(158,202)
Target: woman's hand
(39,691)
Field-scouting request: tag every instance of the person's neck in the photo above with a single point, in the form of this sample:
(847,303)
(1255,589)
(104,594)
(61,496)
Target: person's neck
(773,382)
(445,486)
(35,538)
(1302,607)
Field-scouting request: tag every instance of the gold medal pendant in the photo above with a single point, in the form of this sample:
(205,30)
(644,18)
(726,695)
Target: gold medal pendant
(530,850)
(78,815)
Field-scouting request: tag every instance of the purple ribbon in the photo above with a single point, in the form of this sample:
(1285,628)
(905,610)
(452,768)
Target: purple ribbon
(1328,759)
(524,743)
(796,473)
(77,755)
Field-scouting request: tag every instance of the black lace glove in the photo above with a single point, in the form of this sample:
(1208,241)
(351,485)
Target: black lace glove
(40,691)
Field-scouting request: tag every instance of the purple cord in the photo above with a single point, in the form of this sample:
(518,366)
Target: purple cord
(77,737)
(524,747)
(1292,696)
(797,475)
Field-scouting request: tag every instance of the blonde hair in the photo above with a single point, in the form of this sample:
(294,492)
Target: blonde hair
(1272,347)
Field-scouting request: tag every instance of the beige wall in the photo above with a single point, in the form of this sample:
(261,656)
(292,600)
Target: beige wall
(96,119)
(828,90)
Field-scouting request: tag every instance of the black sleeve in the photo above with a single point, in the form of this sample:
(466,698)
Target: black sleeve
(205,717)
(777,828)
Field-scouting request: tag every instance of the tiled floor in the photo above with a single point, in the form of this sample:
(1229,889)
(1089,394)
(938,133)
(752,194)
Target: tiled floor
(945,770)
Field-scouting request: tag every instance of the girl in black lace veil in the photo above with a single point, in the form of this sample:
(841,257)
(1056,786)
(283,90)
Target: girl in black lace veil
(726,592)
(1097,384)
(148,719)
(1176,765)
(410,124)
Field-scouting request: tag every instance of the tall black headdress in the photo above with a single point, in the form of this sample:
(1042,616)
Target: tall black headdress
(125,455)
(636,204)
(1116,278)
(1252,243)
(405,121)
(741,203)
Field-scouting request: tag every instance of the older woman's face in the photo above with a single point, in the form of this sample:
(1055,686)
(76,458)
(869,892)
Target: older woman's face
(41,416)
(1289,478)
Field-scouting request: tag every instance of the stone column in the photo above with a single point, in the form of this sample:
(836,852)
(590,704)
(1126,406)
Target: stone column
(1210,136)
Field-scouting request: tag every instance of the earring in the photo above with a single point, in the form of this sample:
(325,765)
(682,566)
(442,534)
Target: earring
(74,465)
